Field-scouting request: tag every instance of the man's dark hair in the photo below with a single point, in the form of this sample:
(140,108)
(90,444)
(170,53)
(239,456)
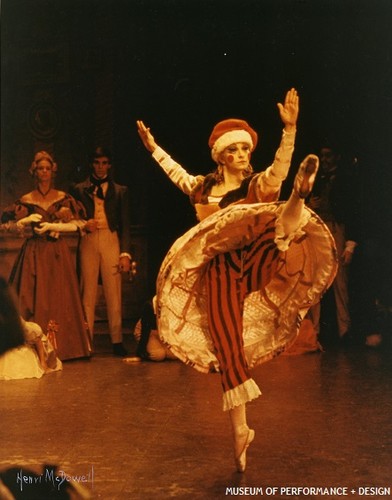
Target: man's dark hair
(99,152)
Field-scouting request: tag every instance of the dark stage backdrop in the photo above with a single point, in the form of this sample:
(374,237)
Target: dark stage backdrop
(76,73)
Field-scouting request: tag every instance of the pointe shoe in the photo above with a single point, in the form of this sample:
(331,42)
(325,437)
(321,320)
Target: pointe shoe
(304,180)
(240,460)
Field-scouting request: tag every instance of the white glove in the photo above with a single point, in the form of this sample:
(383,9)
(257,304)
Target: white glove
(58,227)
(28,220)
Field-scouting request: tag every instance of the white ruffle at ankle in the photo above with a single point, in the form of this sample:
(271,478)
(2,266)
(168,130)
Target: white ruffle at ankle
(241,394)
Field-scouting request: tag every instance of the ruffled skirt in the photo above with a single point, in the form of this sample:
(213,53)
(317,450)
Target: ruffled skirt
(272,316)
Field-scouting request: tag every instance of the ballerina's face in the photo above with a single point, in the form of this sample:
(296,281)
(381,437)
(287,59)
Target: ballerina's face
(44,170)
(236,157)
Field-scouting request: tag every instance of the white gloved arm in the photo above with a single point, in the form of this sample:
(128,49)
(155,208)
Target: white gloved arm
(289,115)
(28,220)
(176,173)
(270,181)
(279,169)
(58,227)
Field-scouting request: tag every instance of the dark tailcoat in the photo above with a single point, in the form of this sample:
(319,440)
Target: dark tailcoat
(116,209)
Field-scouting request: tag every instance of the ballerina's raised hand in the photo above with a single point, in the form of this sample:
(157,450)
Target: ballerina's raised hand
(289,110)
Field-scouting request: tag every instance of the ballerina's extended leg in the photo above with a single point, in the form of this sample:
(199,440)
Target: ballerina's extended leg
(303,184)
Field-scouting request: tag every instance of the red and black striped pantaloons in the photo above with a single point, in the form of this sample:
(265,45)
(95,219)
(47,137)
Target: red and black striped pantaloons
(229,278)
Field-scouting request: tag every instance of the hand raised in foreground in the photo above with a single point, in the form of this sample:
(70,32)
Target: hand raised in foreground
(146,136)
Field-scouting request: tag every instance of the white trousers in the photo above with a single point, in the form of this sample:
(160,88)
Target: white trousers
(99,254)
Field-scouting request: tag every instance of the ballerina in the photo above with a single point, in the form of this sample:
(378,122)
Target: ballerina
(232,291)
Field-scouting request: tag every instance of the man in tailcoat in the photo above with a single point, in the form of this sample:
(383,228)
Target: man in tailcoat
(105,248)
